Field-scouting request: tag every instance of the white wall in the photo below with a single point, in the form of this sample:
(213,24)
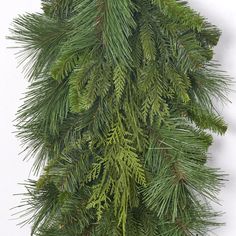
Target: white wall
(223,152)
(13,170)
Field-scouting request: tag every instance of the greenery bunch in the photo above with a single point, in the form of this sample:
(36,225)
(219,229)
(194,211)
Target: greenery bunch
(119,117)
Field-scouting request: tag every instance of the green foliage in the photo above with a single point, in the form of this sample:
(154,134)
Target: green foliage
(180,13)
(64,66)
(147,35)
(40,117)
(115,39)
(39,37)
(119,163)
(120,77)
(209,84)
(181,179)
(180,84)
(117,117)
(82,94)
(189,53)
(58,9)
(207,120)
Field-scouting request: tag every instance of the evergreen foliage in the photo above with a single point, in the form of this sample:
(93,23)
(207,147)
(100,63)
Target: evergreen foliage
(118,118)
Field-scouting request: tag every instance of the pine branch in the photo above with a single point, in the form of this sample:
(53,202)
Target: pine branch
(115,38)
(39,38)
(58,9)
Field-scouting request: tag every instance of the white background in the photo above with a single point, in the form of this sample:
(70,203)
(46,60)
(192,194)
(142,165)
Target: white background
(13,170)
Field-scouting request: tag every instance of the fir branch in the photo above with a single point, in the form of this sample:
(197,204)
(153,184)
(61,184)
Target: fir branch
(180,13)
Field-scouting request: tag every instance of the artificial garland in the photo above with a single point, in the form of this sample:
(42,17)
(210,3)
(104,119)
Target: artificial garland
(119,117)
